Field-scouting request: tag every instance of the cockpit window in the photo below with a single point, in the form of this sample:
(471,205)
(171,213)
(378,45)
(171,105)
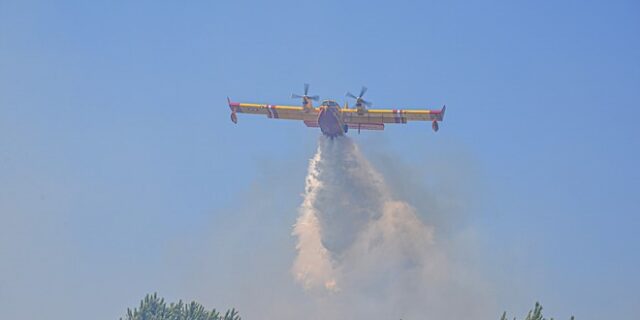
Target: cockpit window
(329,103)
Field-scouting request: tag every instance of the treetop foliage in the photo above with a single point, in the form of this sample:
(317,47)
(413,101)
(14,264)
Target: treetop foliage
(154,308)
(535,314)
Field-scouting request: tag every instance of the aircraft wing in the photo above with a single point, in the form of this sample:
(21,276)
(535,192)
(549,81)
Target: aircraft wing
(274,111)
(392,115)
(374,119)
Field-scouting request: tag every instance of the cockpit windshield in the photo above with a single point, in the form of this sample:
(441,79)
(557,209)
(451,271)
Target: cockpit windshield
(330,103)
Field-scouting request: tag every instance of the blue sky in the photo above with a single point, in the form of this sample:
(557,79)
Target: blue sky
(118,159)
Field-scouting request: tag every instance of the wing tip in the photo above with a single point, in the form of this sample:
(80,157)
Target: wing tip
(232,105)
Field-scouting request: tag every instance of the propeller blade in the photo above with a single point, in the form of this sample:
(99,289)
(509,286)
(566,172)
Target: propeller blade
(306,89)
(367,103)
(363,91)
(350,95)
(315,98)
(295,96)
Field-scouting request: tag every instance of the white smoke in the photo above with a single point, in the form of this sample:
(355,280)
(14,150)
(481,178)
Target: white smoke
(360,252)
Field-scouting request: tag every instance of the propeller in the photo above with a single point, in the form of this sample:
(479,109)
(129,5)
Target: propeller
(306,95)
(359,100)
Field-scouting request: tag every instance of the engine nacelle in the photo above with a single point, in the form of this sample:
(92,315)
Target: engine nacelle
(434,126)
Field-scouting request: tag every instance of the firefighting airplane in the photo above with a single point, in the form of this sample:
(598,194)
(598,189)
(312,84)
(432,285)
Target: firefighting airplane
(333,120)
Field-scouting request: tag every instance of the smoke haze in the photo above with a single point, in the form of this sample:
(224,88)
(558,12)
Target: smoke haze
(362,253)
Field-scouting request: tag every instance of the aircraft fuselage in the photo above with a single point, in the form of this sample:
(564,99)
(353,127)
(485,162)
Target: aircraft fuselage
(330,121)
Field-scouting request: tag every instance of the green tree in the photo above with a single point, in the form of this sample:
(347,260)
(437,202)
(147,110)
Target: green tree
(154,308)
(534,314)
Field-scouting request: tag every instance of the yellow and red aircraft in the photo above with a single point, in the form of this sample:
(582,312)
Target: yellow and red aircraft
(333,120)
